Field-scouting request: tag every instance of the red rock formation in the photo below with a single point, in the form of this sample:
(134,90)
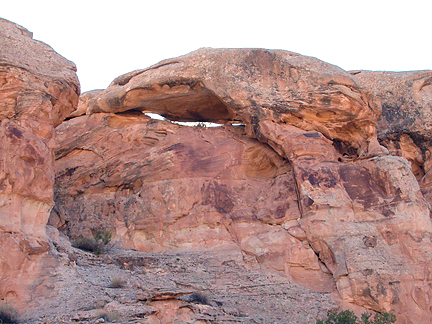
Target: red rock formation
(305,188)
(360,209)
(366,219)
(249,85)
(38,89)
(161,186)
(405,127)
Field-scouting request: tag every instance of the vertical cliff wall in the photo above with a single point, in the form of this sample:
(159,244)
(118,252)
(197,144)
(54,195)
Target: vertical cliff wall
(38,89)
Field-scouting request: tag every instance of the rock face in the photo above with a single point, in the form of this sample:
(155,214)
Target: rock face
(38,89)
(160,186)
(306,189)
(315,185)
(249,85)
(405,126)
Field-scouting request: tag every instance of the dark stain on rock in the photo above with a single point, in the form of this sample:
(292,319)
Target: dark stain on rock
(367,292)
(281,210)
(174,147)
(70,171)
(343,148)
(373,189)
(387,211)
(326,101)
(359,185)
(322,178)
(367,272)
(312,134)
(13,131)
(115,102)
(218,196)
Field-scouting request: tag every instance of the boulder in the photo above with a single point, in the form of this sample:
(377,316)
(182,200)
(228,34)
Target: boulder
(366,219)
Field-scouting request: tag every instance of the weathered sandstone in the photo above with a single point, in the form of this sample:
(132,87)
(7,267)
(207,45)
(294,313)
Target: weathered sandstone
(405,126)
(368,222)
(160,186)
(249,85)
(325,183)
(356,215)
(83,102)
(38,89)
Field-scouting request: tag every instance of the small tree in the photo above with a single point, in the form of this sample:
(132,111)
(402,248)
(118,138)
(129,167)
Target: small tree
(95,243)
(348,317)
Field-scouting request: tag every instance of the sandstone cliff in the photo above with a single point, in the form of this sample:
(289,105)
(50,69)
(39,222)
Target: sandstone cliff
(303,188)
(318,175)
(38,89)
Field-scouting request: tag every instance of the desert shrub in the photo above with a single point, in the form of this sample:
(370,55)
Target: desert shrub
(8,315)
(344,317)
(117,283)
(95,244)
(88,243)
(382,318)
(103,236)
(348,317)
(108,316)
(199,298)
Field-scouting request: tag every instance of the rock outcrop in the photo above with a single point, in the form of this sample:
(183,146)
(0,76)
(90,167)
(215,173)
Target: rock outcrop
(317,174)
(38,89)
(249,85)
(160,186)
(327,199)
(405,126)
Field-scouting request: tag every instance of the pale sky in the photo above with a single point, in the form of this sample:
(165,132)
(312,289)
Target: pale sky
(108,38)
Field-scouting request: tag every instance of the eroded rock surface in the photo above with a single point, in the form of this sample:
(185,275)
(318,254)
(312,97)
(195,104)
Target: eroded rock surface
(303,189)
(160,186)
(357,208)
(249,85)
(405,126)
(38,89)
(367,220)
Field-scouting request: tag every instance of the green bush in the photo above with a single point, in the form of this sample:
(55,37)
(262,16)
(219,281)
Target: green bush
(95,244)
(348,317)
(382,318)
(103,236)
(8,314)
(89,244)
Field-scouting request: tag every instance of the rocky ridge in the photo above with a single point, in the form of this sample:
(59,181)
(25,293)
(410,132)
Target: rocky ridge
(324,183)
